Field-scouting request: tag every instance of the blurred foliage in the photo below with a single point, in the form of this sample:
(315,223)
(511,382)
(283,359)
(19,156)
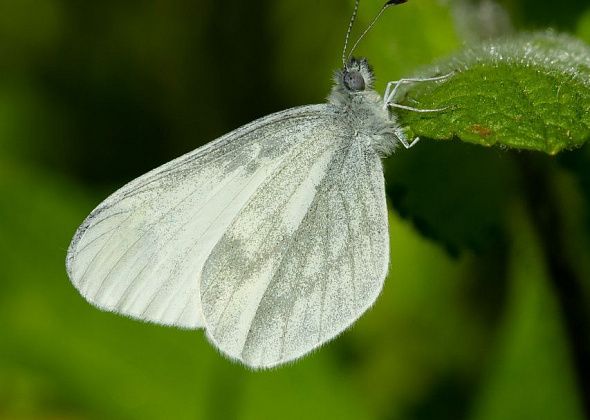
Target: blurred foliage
(531,353)
(485,313)
(469,199)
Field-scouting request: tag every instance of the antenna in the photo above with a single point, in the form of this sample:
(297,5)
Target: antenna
(350,25)
(385,6)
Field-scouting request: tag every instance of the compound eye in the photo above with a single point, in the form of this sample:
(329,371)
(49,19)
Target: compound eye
(354,81)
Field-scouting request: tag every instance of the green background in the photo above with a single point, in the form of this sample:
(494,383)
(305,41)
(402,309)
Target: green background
(486,310)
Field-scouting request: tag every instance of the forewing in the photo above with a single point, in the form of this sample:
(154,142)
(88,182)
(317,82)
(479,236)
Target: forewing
(141,251)
(306,256)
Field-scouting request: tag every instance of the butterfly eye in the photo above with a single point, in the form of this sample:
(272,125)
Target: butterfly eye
(354,81)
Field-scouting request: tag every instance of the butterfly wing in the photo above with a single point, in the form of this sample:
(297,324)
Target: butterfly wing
(141,251)
(305,257)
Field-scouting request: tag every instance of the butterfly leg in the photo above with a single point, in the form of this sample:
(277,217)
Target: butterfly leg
(403,140)
(407,144)
(409,108)
(393,87)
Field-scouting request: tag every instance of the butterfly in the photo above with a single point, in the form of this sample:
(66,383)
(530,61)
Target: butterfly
(272,238)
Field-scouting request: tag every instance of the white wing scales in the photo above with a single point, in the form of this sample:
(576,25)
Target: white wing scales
(142,250)
(274,238)
(304,259)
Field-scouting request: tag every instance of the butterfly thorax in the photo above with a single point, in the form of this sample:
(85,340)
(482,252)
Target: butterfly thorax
(362,107)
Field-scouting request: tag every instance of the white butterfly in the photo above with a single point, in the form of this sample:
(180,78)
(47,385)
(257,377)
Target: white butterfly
(273,238)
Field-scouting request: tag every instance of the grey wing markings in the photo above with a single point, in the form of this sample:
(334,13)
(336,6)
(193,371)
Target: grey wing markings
(276,301)
(235,136)
(111,246)
(326,246)
(276,212)
(135,187)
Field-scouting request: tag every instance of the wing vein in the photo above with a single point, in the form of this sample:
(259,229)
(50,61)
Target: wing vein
(83,277)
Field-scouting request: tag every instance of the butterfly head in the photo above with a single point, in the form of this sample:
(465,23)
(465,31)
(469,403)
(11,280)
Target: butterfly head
(354,82)
(356,76)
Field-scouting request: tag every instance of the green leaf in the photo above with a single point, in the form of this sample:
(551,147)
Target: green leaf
(529,92)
